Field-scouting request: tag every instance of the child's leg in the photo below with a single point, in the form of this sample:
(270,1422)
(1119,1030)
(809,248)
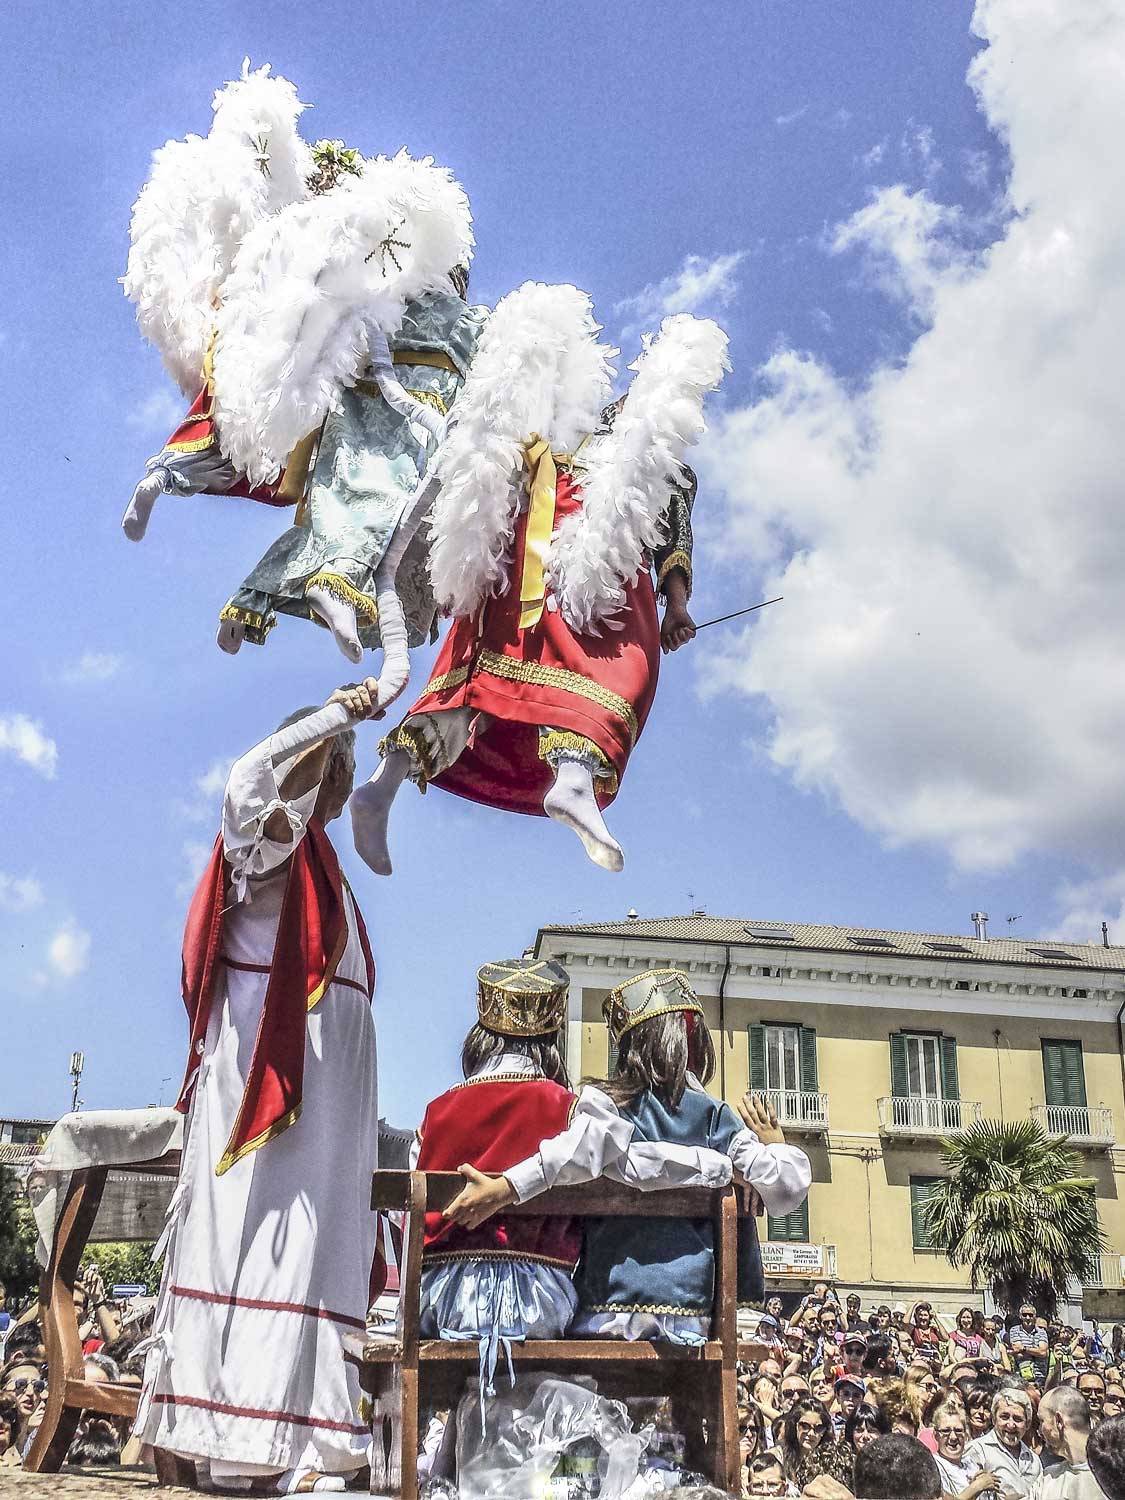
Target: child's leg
(571,802)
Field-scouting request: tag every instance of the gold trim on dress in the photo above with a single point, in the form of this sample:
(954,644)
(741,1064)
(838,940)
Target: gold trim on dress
(257,626)
(446,681)
(497,1078)
(541,675)
(340,588)
(551,740)
(440,1256)
(411,739)
(677,559)
(229,1157)
(194,445)
(650,1307)
(434,358)
(430,398)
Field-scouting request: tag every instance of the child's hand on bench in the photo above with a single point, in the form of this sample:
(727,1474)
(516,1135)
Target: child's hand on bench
(480,1198)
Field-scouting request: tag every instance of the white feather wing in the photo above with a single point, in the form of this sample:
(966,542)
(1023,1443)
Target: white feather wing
(538,371)
(597,552)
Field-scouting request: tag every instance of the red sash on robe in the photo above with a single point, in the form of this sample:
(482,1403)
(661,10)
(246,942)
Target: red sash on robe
(312,933)
(197,432)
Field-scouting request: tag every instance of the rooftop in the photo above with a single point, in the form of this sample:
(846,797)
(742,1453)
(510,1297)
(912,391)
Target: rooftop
(780,937)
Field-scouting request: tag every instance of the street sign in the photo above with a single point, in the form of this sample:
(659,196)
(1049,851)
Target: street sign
(125,1289)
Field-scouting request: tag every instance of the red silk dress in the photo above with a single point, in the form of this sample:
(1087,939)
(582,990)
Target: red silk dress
(598,688)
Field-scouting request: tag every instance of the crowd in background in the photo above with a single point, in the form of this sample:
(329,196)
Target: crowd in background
(981,1406)
(110,1331)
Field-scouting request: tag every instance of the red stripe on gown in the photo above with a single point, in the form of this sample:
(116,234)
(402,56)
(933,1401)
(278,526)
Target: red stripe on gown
(501,766)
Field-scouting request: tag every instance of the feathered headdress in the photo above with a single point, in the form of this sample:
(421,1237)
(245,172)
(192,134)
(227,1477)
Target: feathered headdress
(626,473)
(202,197)
(538,372)
(307,286)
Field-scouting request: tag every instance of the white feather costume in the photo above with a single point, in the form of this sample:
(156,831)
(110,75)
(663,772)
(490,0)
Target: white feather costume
(309,285)
(626,472)
(539,372)
(202,197)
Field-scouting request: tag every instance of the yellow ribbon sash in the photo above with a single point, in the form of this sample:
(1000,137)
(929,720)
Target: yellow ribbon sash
(542,476)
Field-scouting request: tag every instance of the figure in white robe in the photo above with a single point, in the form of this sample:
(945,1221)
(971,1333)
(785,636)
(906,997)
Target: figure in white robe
(271,1235)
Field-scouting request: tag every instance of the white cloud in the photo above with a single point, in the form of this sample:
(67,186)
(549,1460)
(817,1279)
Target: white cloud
(919,153)
(205,795)
(874,157)
(948,664)
(1087,904)
(25,739)
(68,952)
(196,854)
(700,284)
(19,892)
(791,119)
(93,666)
(159,412)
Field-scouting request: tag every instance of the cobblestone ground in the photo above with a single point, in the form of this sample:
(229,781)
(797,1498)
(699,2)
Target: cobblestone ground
(85,1484)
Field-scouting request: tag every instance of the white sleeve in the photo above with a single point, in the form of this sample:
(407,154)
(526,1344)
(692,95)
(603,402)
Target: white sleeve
(253,794)
(596,1138)
(782,1174)
(415,1151)
(650,1165)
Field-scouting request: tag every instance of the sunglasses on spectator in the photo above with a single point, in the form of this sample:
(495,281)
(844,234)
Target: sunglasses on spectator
(952,1434)
(19,1386)
(794,1390)
(815,1425)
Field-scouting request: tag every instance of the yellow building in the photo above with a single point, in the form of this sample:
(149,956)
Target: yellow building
(872,1046)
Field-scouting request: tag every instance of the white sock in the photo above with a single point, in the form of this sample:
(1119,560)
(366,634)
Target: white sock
(371,806)
(571,801)
(230,635)
(135,520)
(339,616)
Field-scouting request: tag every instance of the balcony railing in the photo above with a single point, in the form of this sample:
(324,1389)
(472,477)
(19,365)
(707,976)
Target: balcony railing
(1085,1124)
(798,1109)
(1110,1273)
(937,1117)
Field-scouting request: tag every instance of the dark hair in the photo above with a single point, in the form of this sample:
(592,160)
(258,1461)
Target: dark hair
(459,276)
(95,1445)
(26,1336)
(771,1459)
(10,1413)
(22,1359)
(1105,1453)
(879,1346)
(790,1444)
(866,1414)
(896,1467)
(481,1044)
(658,1054)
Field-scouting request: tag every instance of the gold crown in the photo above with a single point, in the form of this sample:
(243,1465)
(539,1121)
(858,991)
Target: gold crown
(522,997)
(656,992)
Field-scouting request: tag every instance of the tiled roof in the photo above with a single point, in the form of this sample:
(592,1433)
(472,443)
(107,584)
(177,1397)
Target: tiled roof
(807,935)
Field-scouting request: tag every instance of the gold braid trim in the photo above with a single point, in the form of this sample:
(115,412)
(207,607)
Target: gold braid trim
(447,680)
(677,559)
(192,445)
(558,677)
(413,741)
(229,1157)
(498,1078)
(257,626)
(649,1307)
(439,1257)
(429,398)
(551,740)
(333,583)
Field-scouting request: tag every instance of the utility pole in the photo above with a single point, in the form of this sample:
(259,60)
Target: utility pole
(77,1063)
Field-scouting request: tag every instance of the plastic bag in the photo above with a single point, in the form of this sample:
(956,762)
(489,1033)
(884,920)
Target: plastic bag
(515,1453)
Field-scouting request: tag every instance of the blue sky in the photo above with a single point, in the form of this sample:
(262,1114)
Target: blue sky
(599,144)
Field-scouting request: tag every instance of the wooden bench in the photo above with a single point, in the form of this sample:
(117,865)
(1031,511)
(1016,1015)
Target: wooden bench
(69,1393)
(411,1373)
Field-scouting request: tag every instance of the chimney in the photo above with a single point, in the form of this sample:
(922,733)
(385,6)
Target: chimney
(980,922)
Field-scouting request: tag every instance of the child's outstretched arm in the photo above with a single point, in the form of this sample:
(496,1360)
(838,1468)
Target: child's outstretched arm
(781,1173)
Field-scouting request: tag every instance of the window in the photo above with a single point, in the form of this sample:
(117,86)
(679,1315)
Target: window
(1064,1078)
(921,1190)
(924,1066)
(782,1058)
(771,934)
(1052,953)
(949,947)
(869,942)
(790,1227)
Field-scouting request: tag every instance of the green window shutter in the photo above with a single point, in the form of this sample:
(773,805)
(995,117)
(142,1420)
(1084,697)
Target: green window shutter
(807,1043)
(1064,1077)
(950,1086)
(920,1190)
(756,1035)
(900,1086)
(790,1228)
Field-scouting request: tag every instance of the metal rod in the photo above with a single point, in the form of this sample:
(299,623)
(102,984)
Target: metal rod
(748,611)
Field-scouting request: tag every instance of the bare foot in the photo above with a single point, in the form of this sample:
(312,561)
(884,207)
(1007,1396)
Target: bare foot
(571,802)
(134,523)
(339,616)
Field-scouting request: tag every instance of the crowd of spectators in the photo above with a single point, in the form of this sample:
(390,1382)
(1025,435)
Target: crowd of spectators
(893,1402)
(110,1332)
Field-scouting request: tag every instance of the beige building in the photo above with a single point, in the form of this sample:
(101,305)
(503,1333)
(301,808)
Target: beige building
(872,1047)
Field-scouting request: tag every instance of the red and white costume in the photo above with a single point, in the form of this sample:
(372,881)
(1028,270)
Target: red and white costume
(270,1236)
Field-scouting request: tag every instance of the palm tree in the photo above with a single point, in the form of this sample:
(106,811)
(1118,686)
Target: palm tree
(1015,1211)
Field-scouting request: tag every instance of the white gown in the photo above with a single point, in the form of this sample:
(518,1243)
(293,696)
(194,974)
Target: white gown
(268,1265)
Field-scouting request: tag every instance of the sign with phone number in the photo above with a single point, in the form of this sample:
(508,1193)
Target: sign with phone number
(792,1260)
